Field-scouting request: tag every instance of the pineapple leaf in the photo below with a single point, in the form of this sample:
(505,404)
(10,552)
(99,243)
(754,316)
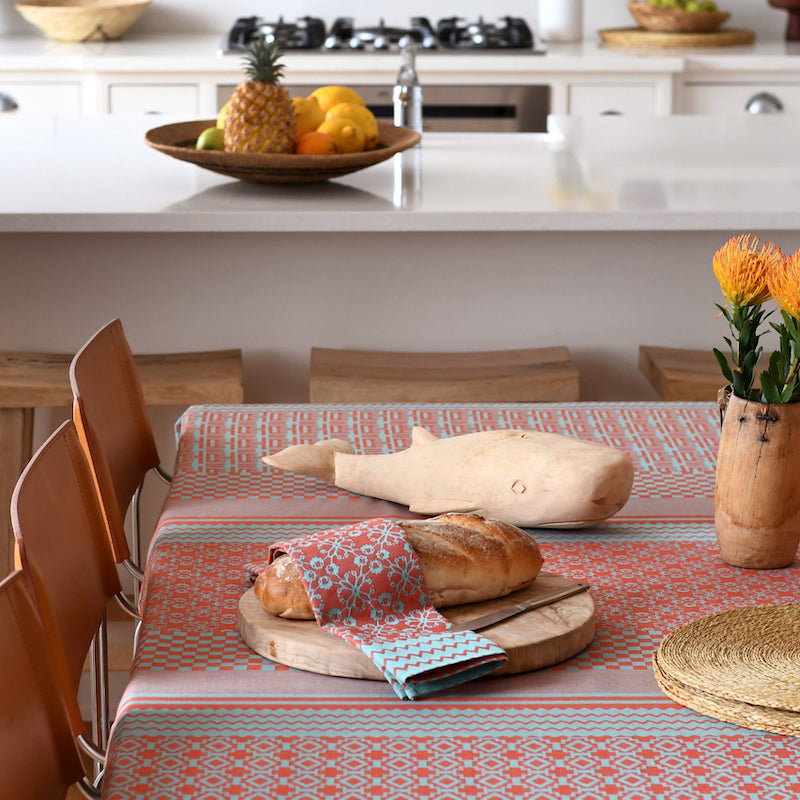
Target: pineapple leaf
(260,62)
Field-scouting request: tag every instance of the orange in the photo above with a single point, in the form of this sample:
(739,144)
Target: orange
(315,143)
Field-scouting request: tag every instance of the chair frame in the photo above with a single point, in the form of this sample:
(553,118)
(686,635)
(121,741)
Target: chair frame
(109,345)
(33,523)
(29,635)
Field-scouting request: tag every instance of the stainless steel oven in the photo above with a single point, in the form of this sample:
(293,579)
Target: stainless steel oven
(456,107)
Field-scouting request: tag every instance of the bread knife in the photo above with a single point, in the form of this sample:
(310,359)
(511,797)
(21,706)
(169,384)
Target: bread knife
(493,617)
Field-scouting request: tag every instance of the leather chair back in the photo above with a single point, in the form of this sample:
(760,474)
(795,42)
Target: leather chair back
(111,416)
(63,544)
(39,757)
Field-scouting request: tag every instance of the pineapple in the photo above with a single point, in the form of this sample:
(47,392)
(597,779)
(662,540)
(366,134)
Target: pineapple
(260,116)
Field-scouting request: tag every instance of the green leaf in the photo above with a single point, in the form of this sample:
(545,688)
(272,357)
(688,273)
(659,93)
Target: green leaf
(723,365)
(769,390)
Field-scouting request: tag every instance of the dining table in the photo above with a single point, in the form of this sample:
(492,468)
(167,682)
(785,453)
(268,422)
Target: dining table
(205,716)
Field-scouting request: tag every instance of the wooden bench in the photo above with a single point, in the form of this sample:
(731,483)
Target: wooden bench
(41,380)
(364,376)
(683,374)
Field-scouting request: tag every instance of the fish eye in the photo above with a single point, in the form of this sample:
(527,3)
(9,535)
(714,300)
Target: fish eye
(518,487)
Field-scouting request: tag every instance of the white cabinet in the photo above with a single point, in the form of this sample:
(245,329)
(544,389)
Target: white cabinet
(33,97)
(730,97)
(611,98)
(153,98)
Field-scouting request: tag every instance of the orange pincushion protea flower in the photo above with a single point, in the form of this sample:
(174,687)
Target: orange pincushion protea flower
(784,285)
(750,273)
(742,269)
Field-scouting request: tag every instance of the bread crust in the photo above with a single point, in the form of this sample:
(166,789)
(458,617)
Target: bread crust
(465,558)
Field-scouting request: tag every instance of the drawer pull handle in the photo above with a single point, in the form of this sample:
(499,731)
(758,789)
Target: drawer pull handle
(764,103)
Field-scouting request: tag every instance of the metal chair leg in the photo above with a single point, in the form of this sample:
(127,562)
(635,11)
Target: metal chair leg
(101,723)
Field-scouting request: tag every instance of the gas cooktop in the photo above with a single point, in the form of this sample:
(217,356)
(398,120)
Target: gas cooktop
(451,34)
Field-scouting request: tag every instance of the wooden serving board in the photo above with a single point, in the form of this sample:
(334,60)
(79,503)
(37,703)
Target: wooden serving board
(639,37)
(532,640)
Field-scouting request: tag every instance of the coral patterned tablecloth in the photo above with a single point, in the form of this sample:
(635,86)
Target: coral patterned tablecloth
(205,717)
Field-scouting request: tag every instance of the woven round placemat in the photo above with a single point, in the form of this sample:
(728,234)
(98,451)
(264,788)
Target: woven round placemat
(743,661)
(747,715)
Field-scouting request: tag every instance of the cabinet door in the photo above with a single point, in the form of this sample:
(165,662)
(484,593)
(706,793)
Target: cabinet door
(734,98)
(611,98)
(153,98)
(44,98)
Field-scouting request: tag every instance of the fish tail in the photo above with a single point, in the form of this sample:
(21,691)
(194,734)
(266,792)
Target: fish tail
(314,460)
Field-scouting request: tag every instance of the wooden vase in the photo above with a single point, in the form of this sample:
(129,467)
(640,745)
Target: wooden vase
(757,493)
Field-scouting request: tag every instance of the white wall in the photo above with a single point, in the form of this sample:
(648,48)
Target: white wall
(210,16)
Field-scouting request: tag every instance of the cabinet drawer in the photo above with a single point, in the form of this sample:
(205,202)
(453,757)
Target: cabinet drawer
(153,98)
(617,98)
(44,98)
(733,98)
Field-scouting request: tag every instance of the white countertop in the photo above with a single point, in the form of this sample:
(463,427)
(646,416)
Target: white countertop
(199,54)
(96,174)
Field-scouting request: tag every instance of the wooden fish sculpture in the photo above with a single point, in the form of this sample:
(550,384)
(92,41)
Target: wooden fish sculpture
(525,478)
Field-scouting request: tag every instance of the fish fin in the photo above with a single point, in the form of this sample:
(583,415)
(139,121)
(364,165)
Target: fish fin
(421,436)
(441,505)
(314,460)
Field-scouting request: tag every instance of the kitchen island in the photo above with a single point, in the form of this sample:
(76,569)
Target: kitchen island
(597,235)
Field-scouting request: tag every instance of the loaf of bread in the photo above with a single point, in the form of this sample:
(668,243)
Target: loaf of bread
(465,558)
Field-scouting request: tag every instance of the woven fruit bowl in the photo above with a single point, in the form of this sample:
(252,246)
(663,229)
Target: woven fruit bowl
(83,20)
(676,20)
(178,141)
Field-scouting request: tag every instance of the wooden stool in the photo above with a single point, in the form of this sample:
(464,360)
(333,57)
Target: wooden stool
(41,380)
(365,376)
(679,374)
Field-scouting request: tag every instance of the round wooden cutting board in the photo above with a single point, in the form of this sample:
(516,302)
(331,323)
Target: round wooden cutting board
(532,640)
(639,37)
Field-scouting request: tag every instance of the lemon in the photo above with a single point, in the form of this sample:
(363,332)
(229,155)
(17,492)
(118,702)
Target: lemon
(223,112)
(348,136)
(211,139)
(362,117)
(329,96)
(308,113)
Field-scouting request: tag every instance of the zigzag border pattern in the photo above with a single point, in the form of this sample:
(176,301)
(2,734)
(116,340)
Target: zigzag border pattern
(436,718)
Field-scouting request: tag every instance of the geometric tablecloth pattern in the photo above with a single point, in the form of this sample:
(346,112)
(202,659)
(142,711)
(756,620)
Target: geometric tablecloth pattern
(205,717)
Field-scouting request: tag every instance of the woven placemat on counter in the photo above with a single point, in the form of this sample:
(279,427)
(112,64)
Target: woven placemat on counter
(740,666)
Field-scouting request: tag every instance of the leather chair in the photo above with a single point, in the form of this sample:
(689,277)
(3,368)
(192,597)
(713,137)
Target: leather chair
(63,546)
(110,414)
(39,757)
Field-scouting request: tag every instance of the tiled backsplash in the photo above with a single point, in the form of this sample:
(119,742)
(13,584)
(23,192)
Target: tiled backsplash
(210,16)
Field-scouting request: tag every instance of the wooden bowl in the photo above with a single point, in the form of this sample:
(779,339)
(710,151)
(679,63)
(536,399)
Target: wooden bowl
(676,20)
(178,141)
(82,20)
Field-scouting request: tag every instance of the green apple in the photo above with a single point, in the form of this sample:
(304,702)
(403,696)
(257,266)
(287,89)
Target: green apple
(211,139)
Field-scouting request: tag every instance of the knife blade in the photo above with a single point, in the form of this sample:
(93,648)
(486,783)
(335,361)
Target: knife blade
(493,617)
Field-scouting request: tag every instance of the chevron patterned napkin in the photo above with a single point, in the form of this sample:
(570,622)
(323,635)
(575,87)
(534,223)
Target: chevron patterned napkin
(366,586)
